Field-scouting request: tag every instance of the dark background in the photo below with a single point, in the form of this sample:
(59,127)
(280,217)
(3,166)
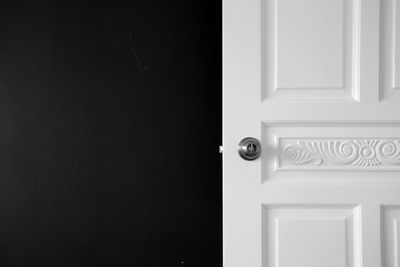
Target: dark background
(110,123)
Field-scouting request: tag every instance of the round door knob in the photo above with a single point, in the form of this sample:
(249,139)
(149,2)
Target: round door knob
(249,148)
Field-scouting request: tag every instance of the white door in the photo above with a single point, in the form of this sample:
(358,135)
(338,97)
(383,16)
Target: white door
(318,83)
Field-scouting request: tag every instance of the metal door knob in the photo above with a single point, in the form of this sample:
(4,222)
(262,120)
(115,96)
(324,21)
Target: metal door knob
(249,148)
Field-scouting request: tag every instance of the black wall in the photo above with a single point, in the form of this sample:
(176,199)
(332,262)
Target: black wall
(110,121)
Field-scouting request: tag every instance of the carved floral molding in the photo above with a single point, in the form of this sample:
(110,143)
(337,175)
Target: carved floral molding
(341,152)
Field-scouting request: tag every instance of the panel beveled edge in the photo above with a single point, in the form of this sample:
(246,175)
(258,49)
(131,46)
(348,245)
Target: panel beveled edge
(389,87)
(353,241)
(269,89)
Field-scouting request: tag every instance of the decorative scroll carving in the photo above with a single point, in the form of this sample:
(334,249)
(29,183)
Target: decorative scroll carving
(342,152)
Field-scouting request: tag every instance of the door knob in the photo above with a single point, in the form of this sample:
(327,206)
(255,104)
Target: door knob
(249,148)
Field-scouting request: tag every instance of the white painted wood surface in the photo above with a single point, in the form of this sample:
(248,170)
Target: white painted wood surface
(318,83)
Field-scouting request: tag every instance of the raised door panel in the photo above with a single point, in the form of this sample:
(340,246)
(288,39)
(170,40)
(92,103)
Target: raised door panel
(311,236)
(390,236)
(296,152)
(390,50)
(310,49)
